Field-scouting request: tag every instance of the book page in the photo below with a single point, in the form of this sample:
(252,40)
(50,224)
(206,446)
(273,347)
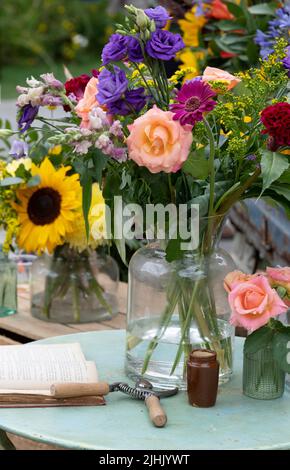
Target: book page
(34,368)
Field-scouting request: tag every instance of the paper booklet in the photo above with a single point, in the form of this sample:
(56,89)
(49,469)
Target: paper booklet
(33,368)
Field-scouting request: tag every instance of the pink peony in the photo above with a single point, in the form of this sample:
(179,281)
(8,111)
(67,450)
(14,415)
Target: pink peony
(280,277)
(158,142)
(88,102)
(254,302)
(213,74)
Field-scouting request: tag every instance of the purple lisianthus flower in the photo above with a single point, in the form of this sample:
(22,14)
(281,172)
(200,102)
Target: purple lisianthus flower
(50,80)
(286,61)
(134,50)
(164,45)
(27,115)
(132,101)
(116,49)
(193,99)
(19,149)
(112,85)
(159,15)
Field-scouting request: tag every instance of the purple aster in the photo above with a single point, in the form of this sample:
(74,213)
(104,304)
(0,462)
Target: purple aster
(159,15)
(19,149)
(194,99)
(132,101)
(134,50)
(286,61)
(164,45)
(112,85)
(27,115)
(116,49)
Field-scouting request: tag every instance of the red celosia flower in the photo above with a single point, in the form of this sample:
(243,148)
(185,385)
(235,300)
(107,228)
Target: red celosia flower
(194,99)
(276,119)
(219,11)
(76,86)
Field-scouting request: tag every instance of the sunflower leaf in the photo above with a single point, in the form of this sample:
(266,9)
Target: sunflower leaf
(87,197)
(9,181)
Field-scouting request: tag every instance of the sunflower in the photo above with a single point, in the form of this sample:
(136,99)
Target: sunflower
(97,223)
(46,212)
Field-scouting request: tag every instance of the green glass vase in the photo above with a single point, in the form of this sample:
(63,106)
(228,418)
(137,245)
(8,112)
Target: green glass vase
(262,377)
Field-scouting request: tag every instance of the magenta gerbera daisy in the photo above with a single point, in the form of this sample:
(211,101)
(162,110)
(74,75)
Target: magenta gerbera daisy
(194,99)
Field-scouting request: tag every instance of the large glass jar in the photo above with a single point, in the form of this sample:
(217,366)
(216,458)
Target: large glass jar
(72,287)
(8,286)
(174,308)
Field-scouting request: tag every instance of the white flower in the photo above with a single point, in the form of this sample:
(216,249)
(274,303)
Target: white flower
(103,141)
(82,147)
(34,95)
(33,82)
(12,167)
(97,118)
(22,100)
(80,40)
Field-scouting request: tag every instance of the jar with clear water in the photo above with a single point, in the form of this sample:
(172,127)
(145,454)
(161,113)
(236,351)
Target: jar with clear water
(8,285)
(173,308)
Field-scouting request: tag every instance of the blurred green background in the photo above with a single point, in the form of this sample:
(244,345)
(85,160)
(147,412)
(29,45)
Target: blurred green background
(38,36)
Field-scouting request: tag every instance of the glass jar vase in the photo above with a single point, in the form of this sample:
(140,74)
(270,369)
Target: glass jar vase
(174,307)
(72,287)
(262,377)
(8,286)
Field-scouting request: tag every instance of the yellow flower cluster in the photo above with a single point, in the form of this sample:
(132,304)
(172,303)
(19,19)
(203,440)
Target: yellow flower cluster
(191,26)
(190,63)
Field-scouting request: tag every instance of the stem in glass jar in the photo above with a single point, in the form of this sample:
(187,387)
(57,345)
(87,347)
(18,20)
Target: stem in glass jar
(76,299)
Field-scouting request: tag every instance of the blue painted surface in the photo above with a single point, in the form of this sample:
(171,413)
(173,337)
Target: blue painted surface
(236,422)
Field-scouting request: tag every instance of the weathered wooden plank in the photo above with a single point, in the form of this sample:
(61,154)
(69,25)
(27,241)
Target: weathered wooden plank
(4,340)
(33,328)
(117,323)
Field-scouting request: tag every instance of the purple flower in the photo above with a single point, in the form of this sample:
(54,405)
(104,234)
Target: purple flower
(27,116)
(159,15)
(194,99)
(50,100)
(50,80)
(134,50)
(19,149)
(164,45)
(132,101)
(286,61)
(116,49)
(112,85)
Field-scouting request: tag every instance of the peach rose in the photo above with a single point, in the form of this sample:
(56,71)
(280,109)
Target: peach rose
(159,143)
(212,74)
(88,102)
(235,277)
(254,302)
(280,277)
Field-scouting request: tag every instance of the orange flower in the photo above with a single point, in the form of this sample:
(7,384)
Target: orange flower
(219,11)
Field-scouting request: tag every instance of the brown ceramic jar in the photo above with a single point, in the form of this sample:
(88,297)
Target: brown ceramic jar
(202,378)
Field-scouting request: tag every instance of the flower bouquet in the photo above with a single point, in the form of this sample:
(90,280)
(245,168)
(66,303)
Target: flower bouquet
(256,300)
(151,141)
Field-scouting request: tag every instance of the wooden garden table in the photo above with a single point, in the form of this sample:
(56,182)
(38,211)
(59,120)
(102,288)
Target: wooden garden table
(236,422)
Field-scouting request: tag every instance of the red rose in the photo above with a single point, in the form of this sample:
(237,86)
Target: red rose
(219,11)
(77,87)
(276,119)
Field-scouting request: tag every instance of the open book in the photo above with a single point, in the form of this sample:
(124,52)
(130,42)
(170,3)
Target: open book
(33,368)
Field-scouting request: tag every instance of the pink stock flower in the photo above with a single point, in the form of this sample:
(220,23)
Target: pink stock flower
(88,102)
(280,277)
(158,142)
(211,74)
(254,302)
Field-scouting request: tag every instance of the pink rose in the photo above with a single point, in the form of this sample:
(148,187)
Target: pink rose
(212,74)
(235,277)
(280,277)
(254,302)
(88,102)
(159,143)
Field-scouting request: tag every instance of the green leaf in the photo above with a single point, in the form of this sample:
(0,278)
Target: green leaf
(173,250)
(273,164)
(10,181)
(259,339)
(100,162)
(285,177)
(197,166)
(262,9)
(282,189)
(34,181)
(281,349)
(87,197)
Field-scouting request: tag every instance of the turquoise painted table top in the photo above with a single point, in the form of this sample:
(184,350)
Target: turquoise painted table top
(236,422)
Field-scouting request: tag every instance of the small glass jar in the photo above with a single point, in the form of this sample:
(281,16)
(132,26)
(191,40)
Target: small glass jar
(8,286)
(262,377)
(72,287)
(202,378)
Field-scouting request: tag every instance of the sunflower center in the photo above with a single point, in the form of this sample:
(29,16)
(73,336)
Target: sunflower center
(44,206)
(192,103)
